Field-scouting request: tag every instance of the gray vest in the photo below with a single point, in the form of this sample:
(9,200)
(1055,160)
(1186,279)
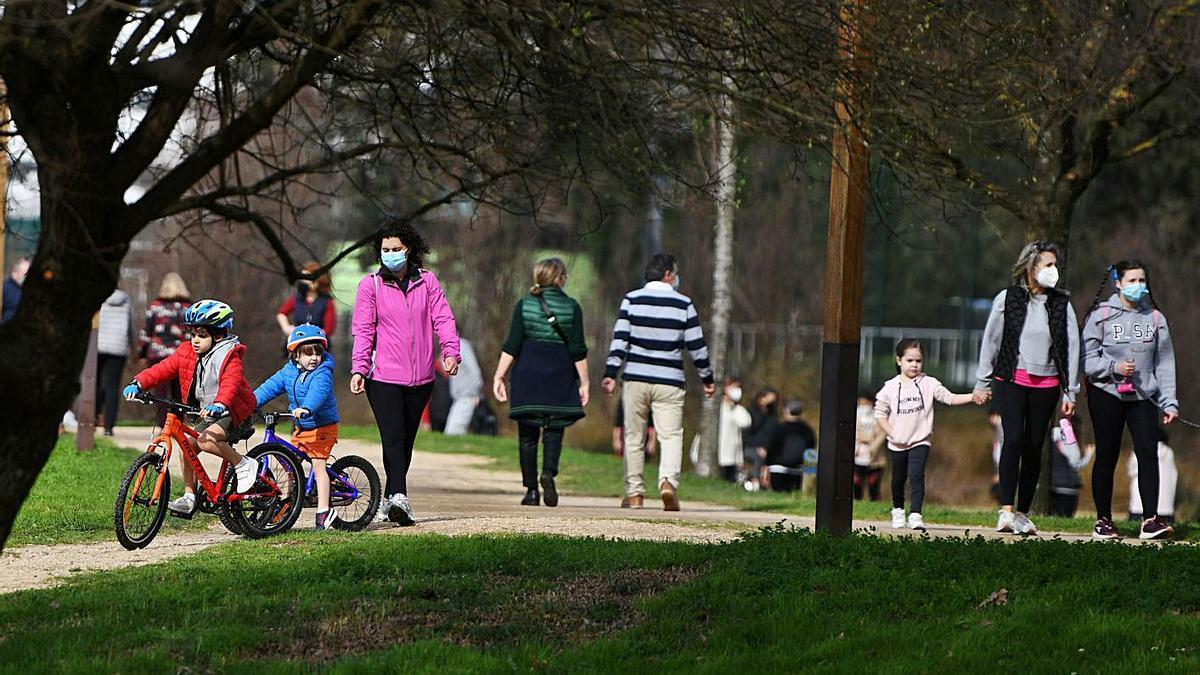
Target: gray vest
(208,370)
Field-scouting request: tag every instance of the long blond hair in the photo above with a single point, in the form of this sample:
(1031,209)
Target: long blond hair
(173,288)
(547,273)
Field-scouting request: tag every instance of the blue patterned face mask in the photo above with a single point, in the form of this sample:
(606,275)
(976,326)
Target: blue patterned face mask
(1135,292)
(394,260)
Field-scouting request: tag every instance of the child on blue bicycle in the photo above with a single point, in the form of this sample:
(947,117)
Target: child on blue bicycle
(307,379)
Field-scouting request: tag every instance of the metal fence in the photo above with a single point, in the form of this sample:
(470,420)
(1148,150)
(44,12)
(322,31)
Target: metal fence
(951,355)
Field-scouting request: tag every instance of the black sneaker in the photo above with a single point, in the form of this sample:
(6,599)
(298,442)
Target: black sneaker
(1155,528)
(549,493)
(1104,530)
(325,520)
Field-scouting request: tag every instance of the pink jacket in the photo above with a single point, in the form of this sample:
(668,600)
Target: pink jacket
(393,330)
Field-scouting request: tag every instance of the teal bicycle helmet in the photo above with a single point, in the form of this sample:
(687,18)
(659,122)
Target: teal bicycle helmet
(306,332)
(210,314)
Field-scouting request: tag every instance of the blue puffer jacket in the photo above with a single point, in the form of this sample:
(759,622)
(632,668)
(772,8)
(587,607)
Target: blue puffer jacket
(312,390)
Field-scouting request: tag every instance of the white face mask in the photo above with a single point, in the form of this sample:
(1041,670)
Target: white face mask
(865,409)
(735,394)
(1048,277)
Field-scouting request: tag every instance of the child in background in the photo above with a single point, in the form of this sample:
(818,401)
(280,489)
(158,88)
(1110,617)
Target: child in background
(997,443)
(307,379)
(904,408)
(734,419)
(785,452)
(1065,465)
(869,459)
(1168,479)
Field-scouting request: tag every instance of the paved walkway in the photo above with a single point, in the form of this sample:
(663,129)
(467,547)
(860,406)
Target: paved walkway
(452,495)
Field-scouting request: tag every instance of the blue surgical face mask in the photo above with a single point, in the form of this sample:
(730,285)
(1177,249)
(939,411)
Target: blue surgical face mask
(675,282)
(394,260)
(1135,292)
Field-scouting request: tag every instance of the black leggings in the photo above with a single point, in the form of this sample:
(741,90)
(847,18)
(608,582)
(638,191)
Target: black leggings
(108,387)
(1109,416)
(1025,415)
(397,411)
(908,464)
(527,437)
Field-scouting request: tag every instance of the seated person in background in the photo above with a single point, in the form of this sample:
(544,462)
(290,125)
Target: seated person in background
(785,453)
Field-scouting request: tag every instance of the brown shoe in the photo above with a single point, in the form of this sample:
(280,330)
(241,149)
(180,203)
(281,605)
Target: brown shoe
(632,502)
(670,499)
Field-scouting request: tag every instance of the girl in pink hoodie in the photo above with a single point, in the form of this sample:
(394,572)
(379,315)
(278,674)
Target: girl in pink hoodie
(396,312)
(904,409)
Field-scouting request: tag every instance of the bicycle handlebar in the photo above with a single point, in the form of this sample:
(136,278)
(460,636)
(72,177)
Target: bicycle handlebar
(175,406)
(270,418)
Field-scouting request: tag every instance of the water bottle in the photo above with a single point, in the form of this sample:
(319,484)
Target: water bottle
(1068,431)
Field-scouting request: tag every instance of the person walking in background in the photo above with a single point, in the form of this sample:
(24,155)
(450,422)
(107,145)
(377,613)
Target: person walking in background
(764,425)
(995,422)
(1065,465)
(734,420)
(785,450)
(550,388)
(655,324)
(397,311)
(869,441)
(1028,359)
(311,303)
(112,350)
(163,332)
(1129,359)
(904,409)
(12,289)
(465,391)
(1168,479)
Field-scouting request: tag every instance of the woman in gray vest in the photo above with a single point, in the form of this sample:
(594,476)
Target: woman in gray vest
(1028,358)
(550,377)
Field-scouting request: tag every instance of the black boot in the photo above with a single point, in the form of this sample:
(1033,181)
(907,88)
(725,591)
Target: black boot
(548,490)
(531,498)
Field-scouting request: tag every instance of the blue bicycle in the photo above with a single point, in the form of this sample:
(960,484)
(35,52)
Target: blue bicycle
(354,488)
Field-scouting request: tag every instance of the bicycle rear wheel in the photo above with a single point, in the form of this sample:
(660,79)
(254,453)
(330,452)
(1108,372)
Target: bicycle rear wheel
(137,516)
(273,505)
(354,493)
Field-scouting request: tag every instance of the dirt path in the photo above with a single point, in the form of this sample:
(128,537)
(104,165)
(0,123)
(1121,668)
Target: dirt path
(452,495)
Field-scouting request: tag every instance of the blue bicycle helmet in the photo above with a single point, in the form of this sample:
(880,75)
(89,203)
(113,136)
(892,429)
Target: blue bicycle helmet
(306,332)
(210,314)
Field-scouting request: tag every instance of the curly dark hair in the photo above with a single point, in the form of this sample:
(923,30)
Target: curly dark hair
(417,248)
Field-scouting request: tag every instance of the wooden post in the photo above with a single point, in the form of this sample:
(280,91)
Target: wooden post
(85,405)
(843,290)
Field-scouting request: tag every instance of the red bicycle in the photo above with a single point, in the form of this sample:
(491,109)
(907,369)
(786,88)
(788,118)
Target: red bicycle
(270,507)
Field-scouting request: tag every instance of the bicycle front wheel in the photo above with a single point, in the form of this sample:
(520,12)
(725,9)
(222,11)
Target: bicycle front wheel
(138,514)
(273,505)
(354,492)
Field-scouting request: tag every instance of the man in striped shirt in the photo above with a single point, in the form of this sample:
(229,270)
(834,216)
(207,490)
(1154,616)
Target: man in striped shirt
(656,323)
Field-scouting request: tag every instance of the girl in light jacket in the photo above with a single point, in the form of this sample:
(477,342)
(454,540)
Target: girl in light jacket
(397,311)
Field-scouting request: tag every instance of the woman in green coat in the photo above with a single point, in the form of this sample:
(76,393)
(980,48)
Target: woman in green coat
(546,351)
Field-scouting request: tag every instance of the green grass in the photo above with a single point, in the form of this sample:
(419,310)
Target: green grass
(72,500)
(775,602)
(599,474)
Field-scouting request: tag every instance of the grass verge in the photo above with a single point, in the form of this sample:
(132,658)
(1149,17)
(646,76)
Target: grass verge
(599,474)
(776,601)
(72,500)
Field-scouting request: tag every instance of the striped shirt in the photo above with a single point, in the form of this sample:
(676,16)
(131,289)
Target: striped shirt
(654,326)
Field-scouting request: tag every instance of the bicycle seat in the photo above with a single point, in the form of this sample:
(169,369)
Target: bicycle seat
(242,434)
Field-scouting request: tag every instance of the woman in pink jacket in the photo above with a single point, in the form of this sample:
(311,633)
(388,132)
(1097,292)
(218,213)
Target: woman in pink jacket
(397,311)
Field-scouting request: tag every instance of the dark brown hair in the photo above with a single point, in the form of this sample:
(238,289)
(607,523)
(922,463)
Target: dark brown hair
(905,345)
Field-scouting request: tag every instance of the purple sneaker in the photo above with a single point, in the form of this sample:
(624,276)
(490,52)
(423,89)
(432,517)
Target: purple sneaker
(1105,530)
(1155,528)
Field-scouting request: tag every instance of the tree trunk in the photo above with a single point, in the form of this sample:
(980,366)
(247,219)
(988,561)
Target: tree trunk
(722,283)
(45,344)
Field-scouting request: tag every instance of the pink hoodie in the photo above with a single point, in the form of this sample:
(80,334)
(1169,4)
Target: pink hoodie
(908,408)
(393,330)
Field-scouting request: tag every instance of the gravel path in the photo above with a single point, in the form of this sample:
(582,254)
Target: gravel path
(452,495)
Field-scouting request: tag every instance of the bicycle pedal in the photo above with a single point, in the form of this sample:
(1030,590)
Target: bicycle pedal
(182,515)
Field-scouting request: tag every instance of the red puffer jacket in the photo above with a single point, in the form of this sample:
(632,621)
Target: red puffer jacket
(233,392)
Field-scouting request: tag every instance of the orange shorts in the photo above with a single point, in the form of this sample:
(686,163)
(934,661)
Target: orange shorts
(316,443)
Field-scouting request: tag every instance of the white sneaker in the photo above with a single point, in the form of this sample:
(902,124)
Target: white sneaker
(897,519)
(400,510)
(1023,525)
(246,471)
(916,522)
(1005,524)
(381,515)
(185,504)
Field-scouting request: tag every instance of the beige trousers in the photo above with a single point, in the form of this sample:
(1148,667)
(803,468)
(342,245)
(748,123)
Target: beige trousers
(666,403)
